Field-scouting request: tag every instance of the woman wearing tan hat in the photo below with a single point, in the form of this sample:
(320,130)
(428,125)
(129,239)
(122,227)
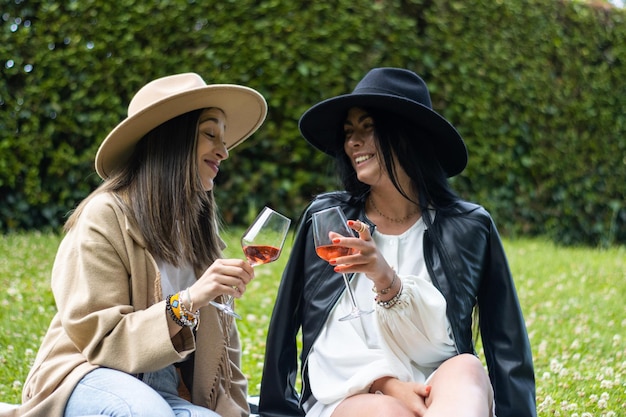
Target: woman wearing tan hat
(423,261)
(133,277)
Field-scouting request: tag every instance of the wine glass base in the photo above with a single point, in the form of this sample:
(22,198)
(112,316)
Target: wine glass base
(226,309)
(355,314)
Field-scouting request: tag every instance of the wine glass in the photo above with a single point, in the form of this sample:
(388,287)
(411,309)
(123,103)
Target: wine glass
(333,220)
(261,243)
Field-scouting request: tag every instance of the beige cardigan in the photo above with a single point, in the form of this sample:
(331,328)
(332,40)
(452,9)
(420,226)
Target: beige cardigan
(111,313)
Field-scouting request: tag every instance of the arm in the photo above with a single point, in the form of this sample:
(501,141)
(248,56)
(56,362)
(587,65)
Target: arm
(278,395)
(504,335)
(96,266)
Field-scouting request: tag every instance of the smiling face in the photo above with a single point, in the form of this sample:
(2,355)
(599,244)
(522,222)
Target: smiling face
(360,145)
(211,149)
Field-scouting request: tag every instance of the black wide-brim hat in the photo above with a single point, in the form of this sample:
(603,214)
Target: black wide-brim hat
(398,91)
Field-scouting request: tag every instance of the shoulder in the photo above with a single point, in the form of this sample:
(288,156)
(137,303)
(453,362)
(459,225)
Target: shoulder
(465,209)
(102,204)
(102,209)
(100,217)
(348,203)
(330,199)
(464,217)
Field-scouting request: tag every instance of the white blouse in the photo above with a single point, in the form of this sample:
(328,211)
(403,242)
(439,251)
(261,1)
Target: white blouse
(407,341)
(175,279)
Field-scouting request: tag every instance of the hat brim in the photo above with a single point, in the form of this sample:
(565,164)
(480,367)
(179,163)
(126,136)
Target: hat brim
(321,125)
(245,111)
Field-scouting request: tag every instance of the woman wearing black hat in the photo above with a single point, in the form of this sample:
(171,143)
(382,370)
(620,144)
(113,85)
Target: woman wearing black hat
(431,259)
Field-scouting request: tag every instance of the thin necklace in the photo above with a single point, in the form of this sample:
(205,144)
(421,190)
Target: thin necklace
(401,220)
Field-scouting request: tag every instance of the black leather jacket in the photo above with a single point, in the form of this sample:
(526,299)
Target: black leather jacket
(467,263)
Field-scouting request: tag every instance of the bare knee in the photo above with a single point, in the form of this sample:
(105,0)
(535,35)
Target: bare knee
(462,379)
(470,367)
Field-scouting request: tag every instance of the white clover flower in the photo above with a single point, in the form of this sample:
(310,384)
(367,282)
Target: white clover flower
(17,384)
(555,365)
(546,375)
(548,400)
(606,384)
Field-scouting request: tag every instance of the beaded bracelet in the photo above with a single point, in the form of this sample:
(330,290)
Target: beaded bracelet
(386,290)
(170,310)
(179,313)
(392,301)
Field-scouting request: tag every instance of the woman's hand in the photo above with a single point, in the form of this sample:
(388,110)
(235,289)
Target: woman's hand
(365,258)
(224,276)
(412,394)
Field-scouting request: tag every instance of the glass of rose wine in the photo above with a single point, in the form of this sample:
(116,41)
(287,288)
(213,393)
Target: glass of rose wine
(333,220)
(262,243)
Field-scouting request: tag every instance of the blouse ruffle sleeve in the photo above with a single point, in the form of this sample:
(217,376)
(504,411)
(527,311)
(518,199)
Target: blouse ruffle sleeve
(416,329)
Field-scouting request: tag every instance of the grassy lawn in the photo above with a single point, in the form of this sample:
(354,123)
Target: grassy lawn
(573,302)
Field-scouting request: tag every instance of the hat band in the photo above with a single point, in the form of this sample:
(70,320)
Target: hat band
(374,90)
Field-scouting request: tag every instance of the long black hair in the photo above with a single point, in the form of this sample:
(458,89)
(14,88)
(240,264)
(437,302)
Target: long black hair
(413,149)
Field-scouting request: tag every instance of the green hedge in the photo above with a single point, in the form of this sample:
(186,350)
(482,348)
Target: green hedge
(535,87)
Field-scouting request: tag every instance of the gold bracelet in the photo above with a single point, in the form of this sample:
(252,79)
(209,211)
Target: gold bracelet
(386,290)
(392,301)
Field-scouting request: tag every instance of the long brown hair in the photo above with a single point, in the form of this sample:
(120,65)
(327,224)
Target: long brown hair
(161,190)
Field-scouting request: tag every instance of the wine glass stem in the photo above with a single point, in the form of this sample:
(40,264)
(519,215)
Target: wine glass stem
(350,293)
(229,298)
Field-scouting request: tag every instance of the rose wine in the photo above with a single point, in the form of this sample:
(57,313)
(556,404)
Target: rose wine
(261,254)
(328,252)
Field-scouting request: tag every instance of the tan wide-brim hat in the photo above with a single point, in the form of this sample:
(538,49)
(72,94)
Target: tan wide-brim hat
(168,97)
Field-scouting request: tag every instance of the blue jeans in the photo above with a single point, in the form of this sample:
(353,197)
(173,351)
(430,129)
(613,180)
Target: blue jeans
(106,392)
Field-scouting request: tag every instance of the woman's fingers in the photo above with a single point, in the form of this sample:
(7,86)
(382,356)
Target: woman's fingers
(224,277)
(361,227)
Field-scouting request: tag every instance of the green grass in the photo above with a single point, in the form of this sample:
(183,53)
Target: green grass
(573,302)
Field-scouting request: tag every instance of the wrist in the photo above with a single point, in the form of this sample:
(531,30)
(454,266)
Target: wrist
(389,292)
(386,289)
